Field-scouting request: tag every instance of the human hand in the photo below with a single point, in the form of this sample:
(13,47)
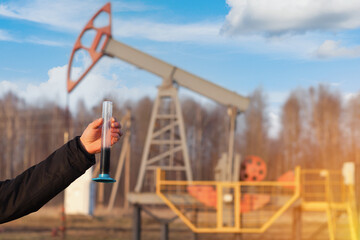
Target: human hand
(91,137)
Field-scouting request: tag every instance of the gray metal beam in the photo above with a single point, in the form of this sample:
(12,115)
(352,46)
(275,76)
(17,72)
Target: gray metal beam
(181,77)
(210,90)
(139,59)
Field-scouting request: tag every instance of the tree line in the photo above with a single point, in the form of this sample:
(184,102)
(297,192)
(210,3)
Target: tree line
(318,130)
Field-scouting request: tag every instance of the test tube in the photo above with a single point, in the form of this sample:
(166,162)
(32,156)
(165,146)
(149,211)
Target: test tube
(104,175)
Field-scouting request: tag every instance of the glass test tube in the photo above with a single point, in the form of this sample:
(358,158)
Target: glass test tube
(104,175)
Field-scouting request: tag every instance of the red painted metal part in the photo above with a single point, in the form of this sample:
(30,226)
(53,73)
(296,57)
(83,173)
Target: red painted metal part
(253,169)
(249,201)
(95,56)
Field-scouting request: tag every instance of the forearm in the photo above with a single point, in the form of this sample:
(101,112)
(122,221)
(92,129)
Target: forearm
(36,186)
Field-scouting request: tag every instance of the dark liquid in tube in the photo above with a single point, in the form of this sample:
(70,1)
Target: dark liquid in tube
(105,161)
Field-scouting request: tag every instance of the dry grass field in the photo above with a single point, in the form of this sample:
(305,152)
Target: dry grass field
(44,225)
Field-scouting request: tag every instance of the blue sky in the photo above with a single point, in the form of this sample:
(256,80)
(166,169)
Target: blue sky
(239,44)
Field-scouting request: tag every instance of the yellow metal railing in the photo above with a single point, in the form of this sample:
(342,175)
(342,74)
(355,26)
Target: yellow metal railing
(228,207)
(324,190)
(252,207)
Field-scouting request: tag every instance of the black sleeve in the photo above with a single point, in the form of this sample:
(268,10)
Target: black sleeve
(29,191)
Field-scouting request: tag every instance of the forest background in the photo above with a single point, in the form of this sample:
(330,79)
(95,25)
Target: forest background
(319,129)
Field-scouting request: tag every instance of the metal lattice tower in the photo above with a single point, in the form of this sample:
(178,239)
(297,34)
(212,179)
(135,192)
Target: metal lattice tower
(165,144)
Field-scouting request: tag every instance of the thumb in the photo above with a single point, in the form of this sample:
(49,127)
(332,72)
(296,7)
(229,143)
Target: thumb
(97,123)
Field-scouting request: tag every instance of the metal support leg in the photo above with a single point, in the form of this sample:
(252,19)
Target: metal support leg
(165,231)
(296,223)
(137,222)
(195,220)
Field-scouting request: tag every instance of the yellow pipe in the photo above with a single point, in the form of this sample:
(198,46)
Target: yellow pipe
(330,224)
(219,207)
(158,180)
(352,214)
(237,207)
(352,224)
(227,184)
(227,230)
(316,171)
(328,209)
(172,207)
(287,205)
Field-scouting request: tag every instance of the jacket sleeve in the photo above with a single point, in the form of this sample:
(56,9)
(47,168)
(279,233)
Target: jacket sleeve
(29,191)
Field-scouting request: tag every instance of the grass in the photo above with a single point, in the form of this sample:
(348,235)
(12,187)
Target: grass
(45,225)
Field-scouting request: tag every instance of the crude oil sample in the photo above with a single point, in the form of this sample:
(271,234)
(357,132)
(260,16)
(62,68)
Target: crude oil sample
(105,161)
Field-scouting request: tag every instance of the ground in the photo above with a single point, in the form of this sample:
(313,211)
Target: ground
(46,222)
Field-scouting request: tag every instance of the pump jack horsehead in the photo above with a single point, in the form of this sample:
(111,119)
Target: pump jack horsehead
(161,124)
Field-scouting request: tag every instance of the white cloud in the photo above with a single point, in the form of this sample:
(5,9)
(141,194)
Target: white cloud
(72,15)
(349,96)
(119,6)
(274,17)
(69,15)
(207,32)
(278,97)
(5,36)
(246,16)
(39,41)
(147,29)
(95,87)
(275,124)
(276,100)
(6,86)
(65,14)
(61,17)
(333,49)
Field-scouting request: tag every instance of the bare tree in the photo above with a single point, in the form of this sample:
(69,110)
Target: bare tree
(326,115)
(141,115)
(291,132)
(352,129)
(256,130)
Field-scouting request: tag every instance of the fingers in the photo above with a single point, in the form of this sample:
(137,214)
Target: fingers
(116,132)
(114,140)
(96,124)
(115,125)
(115,137)
(116,128)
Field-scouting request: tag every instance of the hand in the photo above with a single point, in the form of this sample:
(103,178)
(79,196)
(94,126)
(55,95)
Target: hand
(91,137)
